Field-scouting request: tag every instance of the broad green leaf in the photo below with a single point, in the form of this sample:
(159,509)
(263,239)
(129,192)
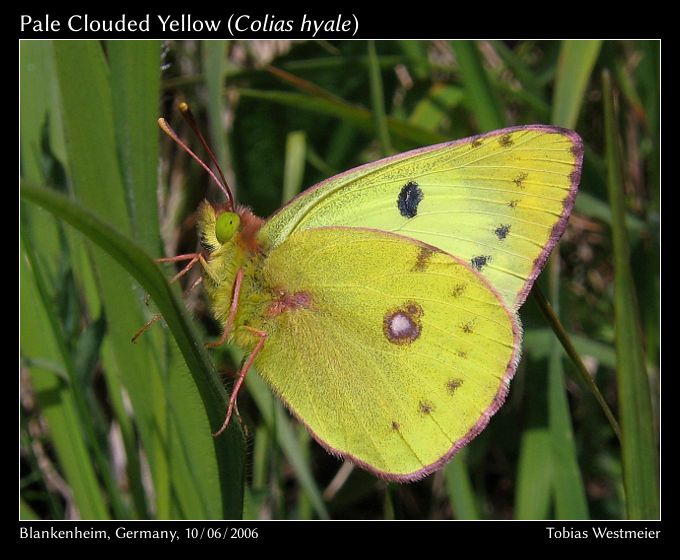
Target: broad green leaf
(358,116)
(273,413)
(459,488)
(294,170)
(135,85)
(481,98)
(639,446)
(378,101)
(39,337)
(228,449)
(576,63)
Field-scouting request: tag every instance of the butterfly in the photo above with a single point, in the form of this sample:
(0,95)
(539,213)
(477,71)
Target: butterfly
(381,305)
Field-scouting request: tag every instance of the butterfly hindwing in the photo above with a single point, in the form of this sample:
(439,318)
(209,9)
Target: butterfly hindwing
(393,353)
(499,201)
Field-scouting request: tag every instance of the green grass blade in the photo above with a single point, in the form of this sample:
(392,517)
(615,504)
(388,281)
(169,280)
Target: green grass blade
(649,288)
(568,346)
(86,95)
(538,339)
(26,512)
(358,116)
(34,58)
(433,108)
(520,69)
(595,208)
(98,183)
(570,495)
(305,507)
(135,80)
(229,448)
(481,97)
(274,414)
(639,446)
(535,465)
(294,169)
(214,64)
(378,100)
(39,338)
(459,488)
(129,436)
(575,65)
(135,83)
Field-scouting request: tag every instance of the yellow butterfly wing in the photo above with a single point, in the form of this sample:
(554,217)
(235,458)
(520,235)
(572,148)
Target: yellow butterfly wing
(499,201)
(393,353)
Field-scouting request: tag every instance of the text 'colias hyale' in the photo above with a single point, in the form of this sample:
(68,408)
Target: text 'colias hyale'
(381,304)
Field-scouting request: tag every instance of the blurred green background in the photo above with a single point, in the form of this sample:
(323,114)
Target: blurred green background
(115,430)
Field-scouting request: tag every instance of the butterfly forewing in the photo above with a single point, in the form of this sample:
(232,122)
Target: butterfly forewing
(498,201)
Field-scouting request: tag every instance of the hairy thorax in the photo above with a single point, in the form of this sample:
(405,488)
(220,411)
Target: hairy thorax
(224,261)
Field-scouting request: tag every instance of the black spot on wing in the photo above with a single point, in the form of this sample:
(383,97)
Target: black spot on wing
(502,231)
(410,196)
(476,143)
(479,262)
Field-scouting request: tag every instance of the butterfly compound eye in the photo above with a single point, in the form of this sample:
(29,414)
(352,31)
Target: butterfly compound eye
(226,226)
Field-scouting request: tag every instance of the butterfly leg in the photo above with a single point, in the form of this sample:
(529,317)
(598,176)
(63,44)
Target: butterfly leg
(232,312)
(191,288)
(241,377)
(140,332)
(193,258)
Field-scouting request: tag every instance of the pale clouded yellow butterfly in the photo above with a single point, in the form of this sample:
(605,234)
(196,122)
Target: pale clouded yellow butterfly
(381,304)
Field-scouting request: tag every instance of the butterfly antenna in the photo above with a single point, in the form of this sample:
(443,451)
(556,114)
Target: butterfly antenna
(191,121)
(165,127)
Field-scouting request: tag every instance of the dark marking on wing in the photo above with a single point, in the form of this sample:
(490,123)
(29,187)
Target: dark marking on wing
(423,258)
(519,180)
(425,407)
(459,290)
(403,325)
(468,328)
(506,140)
(453,384)
(410,196)
(479,262)
(502,231)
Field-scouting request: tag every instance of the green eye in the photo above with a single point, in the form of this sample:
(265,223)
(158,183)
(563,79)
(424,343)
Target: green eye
(226,226)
